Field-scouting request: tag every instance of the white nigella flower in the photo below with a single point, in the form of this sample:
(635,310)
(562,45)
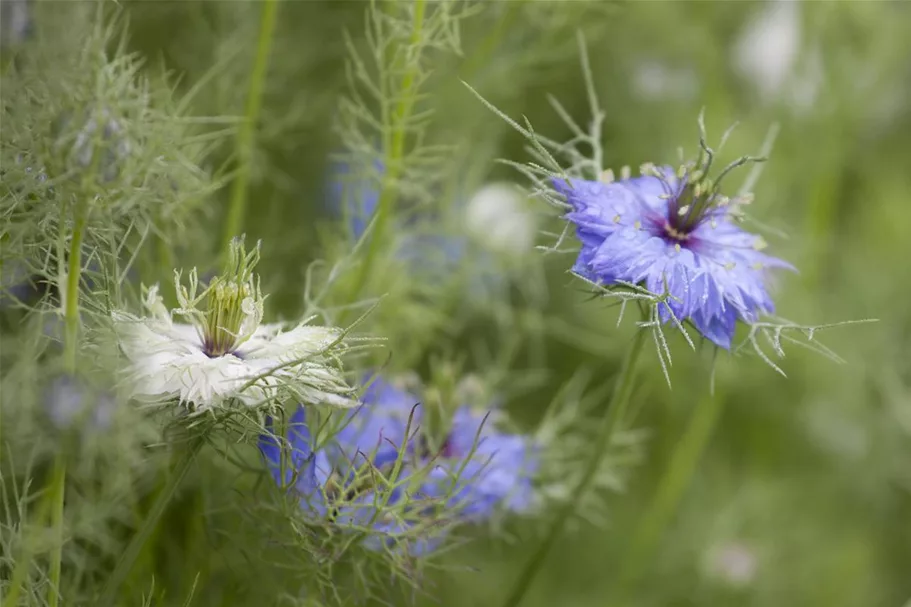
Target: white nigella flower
(224,352)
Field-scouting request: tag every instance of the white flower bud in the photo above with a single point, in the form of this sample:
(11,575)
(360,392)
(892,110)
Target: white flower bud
(498,217)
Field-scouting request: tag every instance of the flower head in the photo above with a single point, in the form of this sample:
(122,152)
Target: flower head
(492,470)
(357,492)
(349,481)
(675,233)
(225,352)
(479,468)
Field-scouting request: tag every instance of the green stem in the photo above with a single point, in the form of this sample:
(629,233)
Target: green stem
(394,153)
(615,413)
(56,495)
(125,564)
(71,349)
(73,277)
(25,559)
(244,142)
(670,489)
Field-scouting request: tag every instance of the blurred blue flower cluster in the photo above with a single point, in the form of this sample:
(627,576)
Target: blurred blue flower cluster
(382,457)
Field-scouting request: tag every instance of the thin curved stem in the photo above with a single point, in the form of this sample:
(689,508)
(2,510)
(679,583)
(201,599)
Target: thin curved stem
(125,564)
(616,411)
(244,143)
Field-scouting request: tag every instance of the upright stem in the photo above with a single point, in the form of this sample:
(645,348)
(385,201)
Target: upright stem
(73,277)
(245,136)
(394,152)
(70,353)
(616,411)
(56,497)
(670,489)
(125,563)
(25,559)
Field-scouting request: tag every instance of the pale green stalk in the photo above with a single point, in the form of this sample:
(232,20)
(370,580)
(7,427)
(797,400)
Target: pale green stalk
(670,489)
(394,153)
(70,352)
(245,136)
(615,414)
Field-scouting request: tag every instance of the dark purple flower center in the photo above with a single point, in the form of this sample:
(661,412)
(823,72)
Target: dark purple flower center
(692,197)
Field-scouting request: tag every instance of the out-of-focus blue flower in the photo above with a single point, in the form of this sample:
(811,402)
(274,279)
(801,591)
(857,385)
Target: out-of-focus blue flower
(299,470)
(17,284)
(673,230)
(478,467)
(378,429)
(354,194)
(490,470)
(15,22)
(69,401)
(339,483)
(475,473)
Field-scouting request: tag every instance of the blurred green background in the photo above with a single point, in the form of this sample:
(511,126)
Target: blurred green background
(803,495)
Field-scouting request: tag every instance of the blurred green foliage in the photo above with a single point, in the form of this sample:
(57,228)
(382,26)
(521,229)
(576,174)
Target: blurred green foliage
(804,494)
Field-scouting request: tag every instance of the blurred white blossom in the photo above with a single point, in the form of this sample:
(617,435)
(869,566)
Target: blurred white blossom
(498,217)
(767,50)
(733,563)
(657,80)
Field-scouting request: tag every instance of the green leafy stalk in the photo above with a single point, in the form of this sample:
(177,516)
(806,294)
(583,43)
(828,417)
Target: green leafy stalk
(71,349)
(58,485)
(615,414)
(125,564)
(25,559)
(73,277)
(676,479)
(394,149)
(245,136)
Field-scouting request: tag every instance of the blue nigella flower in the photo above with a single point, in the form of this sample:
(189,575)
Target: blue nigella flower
(476,472)
(490,470)
(479,467)
(341,487)
(673,232)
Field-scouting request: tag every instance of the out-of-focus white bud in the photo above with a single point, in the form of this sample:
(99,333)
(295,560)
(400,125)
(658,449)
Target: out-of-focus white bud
(767,50)
(733,563)
(498,217)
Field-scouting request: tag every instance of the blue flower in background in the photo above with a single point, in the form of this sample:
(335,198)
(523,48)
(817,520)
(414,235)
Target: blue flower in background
(299,470)
(354,195)
(339,485)
(676,234)
(380,427)
(70,403)
(479,467)
(490,470)
(477,471)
